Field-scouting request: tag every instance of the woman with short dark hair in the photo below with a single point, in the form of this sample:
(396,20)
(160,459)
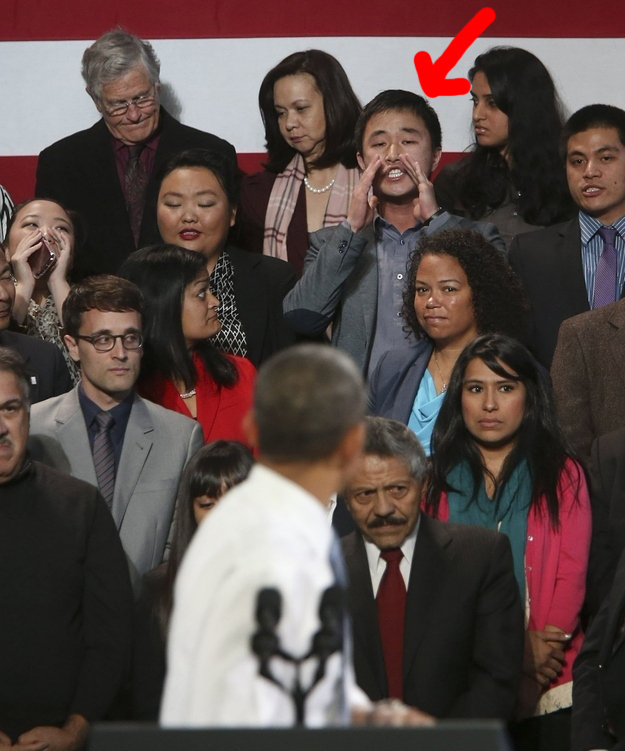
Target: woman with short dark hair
(513,175)
(457,287)
(309,110)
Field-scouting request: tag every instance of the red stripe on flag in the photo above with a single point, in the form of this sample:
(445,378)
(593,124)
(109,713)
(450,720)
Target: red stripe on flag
(24,20)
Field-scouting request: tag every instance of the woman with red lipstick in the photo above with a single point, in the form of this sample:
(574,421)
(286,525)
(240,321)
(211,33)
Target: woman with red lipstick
(39,300)
(500,461)
(309,111)
(197,206)
(181,370)
(513,176)
(457,287)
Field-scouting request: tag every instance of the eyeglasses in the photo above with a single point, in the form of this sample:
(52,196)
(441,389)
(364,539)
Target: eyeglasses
(106,342)
(143,102)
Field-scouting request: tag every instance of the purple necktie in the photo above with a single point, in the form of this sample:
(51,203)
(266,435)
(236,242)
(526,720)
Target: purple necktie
(104,456)
(605,280)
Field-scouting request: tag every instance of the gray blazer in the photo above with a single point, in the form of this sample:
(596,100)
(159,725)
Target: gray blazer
(340,284)
(157,445)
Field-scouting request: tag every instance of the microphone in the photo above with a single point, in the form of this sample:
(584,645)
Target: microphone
(329,638)
(265,643)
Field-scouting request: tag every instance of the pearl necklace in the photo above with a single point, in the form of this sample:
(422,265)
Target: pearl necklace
(318,190)
(188,395)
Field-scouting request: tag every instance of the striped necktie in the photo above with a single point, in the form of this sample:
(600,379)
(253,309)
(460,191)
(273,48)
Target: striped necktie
(104,456)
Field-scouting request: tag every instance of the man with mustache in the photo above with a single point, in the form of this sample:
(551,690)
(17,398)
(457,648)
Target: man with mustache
(66,624)
(355,273)
(436,612)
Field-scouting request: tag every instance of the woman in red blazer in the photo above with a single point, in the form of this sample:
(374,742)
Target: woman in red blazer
(181,369)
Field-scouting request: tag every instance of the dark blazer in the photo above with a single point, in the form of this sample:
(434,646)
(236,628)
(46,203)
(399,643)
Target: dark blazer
(588,373)
(395,381)
(45,363)
(255,192)
(608,515)
(464,634)
(260,284)
(598,676)
(549,263)
(80,172)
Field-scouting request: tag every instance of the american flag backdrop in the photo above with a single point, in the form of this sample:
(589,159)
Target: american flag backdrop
(214,54)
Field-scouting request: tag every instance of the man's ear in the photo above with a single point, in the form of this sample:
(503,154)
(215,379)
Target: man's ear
(436,157)
(349,450)
(72,347)
(361,161)
(98,106)
(250,428)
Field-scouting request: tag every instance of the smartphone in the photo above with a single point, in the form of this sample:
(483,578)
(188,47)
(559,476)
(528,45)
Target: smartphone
(42,260)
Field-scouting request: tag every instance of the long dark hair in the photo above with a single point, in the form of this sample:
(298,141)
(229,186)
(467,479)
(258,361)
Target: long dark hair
(524,90)
(219,463)
(499,302)
(340,105)
(540,440)
(162,273)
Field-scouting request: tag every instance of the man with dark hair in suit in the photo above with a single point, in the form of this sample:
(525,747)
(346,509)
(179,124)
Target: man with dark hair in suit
(49,375)
(104,433)
(107,172)
(577,266)
(436,611)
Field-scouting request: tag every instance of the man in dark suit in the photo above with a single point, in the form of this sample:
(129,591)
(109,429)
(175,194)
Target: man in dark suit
(579,265)
(49,375)
(599,676)
(107,172)
(435,606)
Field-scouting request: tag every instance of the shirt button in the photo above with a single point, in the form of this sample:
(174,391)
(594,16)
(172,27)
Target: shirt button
(515,213)
(399,315)
(342,246)
(529,568)
(402,242)
(530,538)
(400,276)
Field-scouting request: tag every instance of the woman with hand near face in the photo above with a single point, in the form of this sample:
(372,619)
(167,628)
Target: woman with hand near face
(39,301)
(500,461)
(458,287)
(181,369)
(197,206)
(513,177)
(309,111)
(210,473)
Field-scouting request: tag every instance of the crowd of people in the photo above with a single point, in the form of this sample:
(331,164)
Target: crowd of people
(180,331)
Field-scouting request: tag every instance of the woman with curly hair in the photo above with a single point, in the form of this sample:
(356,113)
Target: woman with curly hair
(458,287)
(514,175)
(309,111)
(500,460)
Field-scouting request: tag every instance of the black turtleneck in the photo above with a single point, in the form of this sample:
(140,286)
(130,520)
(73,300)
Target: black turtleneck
(65,601)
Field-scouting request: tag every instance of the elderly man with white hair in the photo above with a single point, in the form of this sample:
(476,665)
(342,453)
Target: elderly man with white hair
(107,172)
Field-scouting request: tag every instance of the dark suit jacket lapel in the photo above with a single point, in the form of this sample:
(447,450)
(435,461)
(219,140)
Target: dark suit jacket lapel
(111,194)
(364,611)
(572,269)
(615,325)
(612,640)
(409,384)
(427,574)
(251,300)
(168,144)
(137,445)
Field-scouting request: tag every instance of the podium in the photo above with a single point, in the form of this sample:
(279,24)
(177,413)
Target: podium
(449,735)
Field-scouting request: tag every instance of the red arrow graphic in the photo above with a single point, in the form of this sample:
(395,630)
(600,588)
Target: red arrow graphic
(432,75)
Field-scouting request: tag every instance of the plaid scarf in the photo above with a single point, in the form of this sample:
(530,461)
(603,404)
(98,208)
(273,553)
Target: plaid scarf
(283,198)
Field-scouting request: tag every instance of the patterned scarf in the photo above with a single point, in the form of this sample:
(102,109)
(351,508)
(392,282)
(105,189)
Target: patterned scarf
(284,196)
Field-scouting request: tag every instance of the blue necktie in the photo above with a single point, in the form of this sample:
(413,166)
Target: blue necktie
(605,279)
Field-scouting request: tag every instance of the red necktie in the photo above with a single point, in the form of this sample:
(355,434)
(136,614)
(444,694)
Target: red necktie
(135,184)
(391,604)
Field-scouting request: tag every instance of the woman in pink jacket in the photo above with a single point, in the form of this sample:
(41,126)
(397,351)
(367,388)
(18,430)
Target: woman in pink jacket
(499,460)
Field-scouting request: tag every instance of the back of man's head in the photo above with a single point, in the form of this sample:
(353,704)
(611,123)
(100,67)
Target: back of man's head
(306,400)
(398,100)
(594,116)
(104,292)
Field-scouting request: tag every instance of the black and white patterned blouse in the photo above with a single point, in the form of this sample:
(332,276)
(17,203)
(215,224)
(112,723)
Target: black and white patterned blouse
(6,209)
(43,322)
(231,338)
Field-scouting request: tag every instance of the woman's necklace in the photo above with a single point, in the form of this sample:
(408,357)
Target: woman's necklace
(188,395)
(318,190)
(440,372)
